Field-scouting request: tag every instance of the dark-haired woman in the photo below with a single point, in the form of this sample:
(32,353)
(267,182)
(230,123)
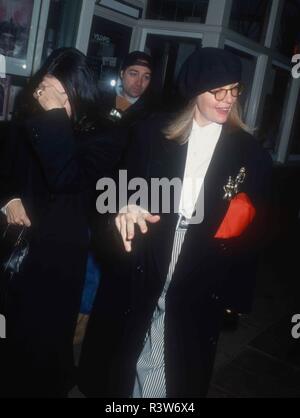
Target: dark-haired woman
(154,329)
(53,161)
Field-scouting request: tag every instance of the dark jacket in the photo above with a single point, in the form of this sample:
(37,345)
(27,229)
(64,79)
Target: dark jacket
(203,283)
(54,171)
(124,130)
(137,112)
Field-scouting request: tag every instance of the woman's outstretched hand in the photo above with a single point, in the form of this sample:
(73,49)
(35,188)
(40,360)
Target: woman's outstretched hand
(129,216)
(16,214)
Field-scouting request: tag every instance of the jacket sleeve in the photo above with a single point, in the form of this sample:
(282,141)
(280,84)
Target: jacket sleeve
(9,187)
(245,251)
(107,240)
(70,166)
(259,190)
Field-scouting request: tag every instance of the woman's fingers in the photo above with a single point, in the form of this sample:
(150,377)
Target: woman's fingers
(49,97)
(125,224)
(118,223)
(16,214)
(152,219)
(144,218)
(142,223)
(130,227)
(9,218)
(15,221)
(26,221)
(125,227)
(127,244)
(129,216)
(50,80)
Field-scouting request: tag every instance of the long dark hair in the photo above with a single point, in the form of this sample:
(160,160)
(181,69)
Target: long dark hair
(71,68)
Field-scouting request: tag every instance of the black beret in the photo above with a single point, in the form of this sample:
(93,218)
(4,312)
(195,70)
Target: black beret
(137,58)
(207,69)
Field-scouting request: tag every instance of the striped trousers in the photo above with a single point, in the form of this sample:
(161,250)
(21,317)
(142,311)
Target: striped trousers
(150,379)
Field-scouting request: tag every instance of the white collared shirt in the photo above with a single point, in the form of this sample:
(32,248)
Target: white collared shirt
(201,146)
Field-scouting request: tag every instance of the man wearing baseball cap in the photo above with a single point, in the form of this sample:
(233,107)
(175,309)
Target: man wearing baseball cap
(130,101)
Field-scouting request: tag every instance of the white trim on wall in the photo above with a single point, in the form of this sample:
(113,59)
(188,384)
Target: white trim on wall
(41,35)
(256,91)
(165,32)
(274,23)
(114,16)
(135,11)
(135,39)
(85,24)
(218,12)
(289,114)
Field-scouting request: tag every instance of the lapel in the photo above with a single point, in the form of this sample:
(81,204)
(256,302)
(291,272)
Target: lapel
(226,161)
(170,162)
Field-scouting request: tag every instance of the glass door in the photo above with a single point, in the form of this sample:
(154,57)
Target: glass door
(169,51)
(108,44)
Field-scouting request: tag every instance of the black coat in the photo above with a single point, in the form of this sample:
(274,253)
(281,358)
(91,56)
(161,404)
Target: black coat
(54,171)
(123,129)
(207,278)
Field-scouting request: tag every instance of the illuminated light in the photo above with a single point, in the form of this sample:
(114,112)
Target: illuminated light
(113,83)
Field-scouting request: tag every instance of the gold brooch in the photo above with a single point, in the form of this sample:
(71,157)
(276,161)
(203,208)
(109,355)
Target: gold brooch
(232,186)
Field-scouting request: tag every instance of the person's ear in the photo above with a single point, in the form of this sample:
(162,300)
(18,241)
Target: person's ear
(121,75)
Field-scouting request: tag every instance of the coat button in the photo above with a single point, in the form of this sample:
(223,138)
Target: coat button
(34,131)
(127,311)
(214,296)
(140,269)
(35,136)
(223,247)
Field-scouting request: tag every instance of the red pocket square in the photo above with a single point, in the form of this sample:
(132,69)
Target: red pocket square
(238,216)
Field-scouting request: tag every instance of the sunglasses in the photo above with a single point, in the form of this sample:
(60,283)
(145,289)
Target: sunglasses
(220,94)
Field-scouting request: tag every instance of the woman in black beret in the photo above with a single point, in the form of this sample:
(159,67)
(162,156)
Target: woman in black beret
(155,326)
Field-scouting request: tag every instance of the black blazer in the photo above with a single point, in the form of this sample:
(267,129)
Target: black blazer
(207,278)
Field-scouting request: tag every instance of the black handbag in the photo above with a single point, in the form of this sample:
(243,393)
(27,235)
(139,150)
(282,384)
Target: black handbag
(14,248)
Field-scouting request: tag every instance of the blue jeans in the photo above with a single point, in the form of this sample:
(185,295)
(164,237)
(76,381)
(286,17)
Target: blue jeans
(92,279)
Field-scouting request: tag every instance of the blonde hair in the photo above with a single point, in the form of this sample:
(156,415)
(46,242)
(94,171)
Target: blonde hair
(180,127)
(235,118)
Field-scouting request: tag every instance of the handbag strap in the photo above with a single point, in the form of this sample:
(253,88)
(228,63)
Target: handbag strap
(20,234)
(18,240)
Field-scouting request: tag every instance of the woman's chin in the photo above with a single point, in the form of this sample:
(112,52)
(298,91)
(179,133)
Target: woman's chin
(222,118)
